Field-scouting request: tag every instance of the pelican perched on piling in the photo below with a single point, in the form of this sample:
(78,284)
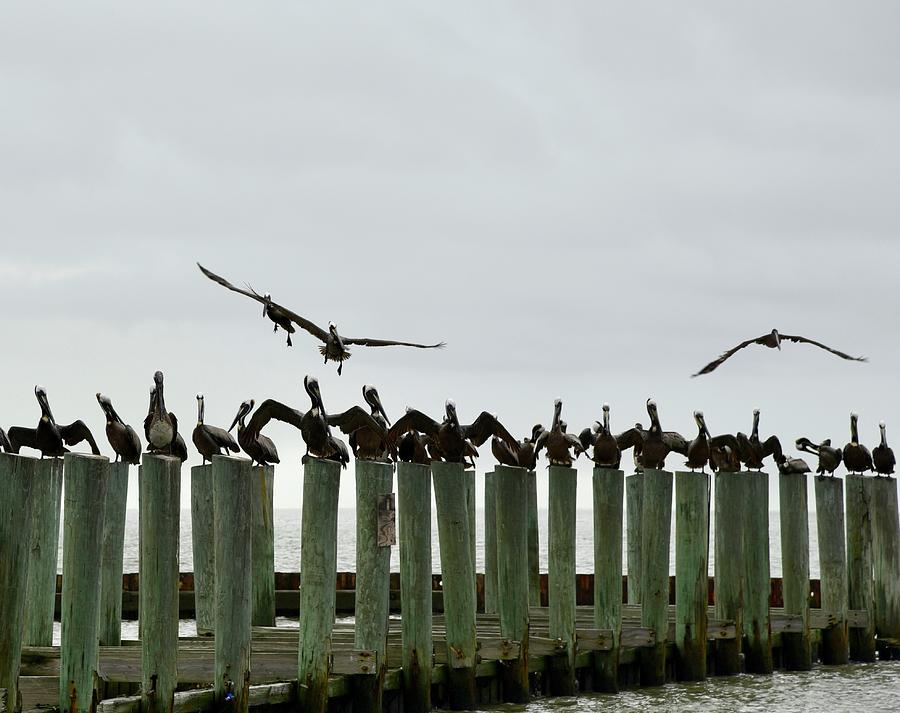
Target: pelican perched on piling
(260,448)
(334,347)
(559,443)
(829,456)
(125,442)
(791,466)
(857,457)
(522,455)
(882,455)
(607,453)
(753,450)
(411,448)
(211,440)
(49,437)
(366,443)
(654,444)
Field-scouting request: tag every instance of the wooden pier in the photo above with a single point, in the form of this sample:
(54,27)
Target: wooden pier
(461,639)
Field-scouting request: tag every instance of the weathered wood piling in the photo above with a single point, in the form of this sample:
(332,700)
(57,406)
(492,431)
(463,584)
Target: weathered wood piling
(458,577)
(204,548)
(609,488)
(318,567)
(262,547)
(44,552)
(469,480)
(729,568)
(886,562)
(232,495)
(656,519)
(860,582)
(796,653)
(512,556)
(834,647)
(160,503)
(534,544)
(86,478)
(113,552)
(691,573)
(634,503)
(490,544)
(374,481)
(414,512)
(561,568)
(17,478)
(757,624)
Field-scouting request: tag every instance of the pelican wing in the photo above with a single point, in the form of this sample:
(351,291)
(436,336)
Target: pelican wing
(365,342)
(415,420)
(4,442)
(713,364)
(631,438)
(772,447)
(222,438)
(587,437)
(76,432)
(676,442)
(485,426)
(134,438)
(271,409)
(725,440)
(842,355)
(20,436)
(304,323)
(355,418)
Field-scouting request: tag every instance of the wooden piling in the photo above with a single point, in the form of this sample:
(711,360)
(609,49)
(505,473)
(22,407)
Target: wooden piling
(41,588)
(160,503)
(691,573)
(318,573)
(860,582)
(534,544)
(414,511)
(204,548)
(656,520)
(457,576)
(729,568)
(374,480)
(886,559)
(561,568)
(794,513)
(113,552)
(469,479)
(86,478)
(262,548)
(511,486)
(757,582)
(835,646)
(490,545)
(609,488)
(634,502)
(232,494)
(17,479)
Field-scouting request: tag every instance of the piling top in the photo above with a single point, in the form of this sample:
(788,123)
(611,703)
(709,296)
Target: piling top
(85,456)
(230,459)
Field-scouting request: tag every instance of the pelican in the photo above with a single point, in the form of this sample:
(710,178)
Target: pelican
(752,450)
(366,443)
(773,340)
(558,441)
(124,441)
(4,442)
(260,448)
(791,466)
(829,457)
(211,440)
(411,448)
(654,444)
(503,452)
(607,453)
(50,438)
(178,447)
(856,456)
(160,426)
(451,440)
(698,449)
(334,347)
(882,455)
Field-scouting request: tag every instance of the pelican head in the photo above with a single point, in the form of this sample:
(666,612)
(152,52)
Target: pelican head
(332,327)
(40,394)
(107,407)
(200,409)
(450,408)
(777,337)
(158,378)
(755,413)
(311,384)
(268,300)
(245,408)
(370,394)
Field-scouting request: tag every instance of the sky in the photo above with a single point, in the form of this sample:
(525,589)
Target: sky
(586,201)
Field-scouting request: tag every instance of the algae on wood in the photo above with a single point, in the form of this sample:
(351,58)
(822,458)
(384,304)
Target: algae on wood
(561,568)
(204,549)
(490,545)
(796,652)
(656,520)
(691,573)
(834,647)
(113,553)
(534,544)
(757,582)
(609,488)
(860,582)
(634,492)
(262,536)
(730,493)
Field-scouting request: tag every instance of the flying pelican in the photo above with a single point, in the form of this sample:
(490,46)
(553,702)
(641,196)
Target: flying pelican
(211,440)
(773,340)
(882,455)
(124,441)
(49,437)
(334,347)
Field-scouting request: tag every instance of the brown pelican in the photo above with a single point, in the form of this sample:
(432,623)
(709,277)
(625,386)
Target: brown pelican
(50,438)
(654,444)
(829,457)
(558,441)
(522,455)
(124,441)
(211,440)
(752,450)
(450,439)
(503,452)
(4,442)
(773,340)
(260,448)
(856,456)
(698,449)
(882,455)
(160,426)
(789,466)
(366,443)
(411,448)
(607,453)
(334,347)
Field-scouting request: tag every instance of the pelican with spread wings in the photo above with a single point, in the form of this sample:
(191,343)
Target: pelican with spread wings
(334,347)
(49,437)
(773,340)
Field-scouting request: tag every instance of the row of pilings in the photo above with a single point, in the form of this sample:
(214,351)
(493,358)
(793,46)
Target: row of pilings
(233,536)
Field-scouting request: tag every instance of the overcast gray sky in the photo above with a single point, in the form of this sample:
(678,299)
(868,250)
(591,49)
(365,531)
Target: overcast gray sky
(585,200)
